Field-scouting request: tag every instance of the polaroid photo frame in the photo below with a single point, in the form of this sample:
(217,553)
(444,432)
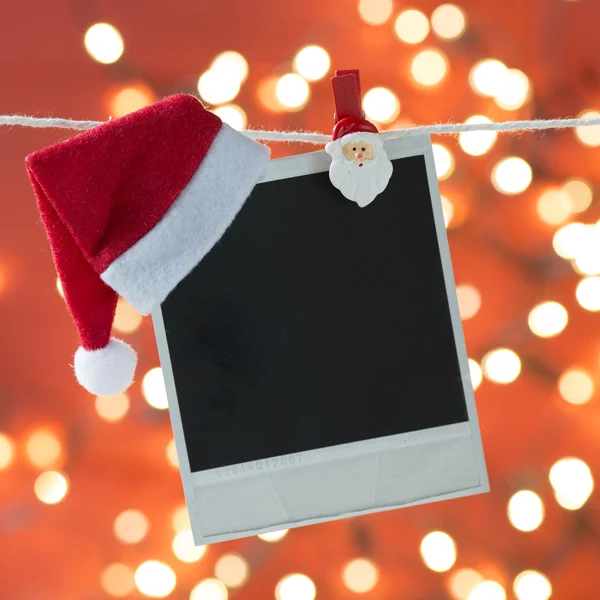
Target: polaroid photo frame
(314,361)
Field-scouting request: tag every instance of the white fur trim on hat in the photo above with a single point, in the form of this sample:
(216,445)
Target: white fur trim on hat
(148,271)
(106,371)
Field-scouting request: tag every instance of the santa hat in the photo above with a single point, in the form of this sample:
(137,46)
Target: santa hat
(351,126)
(130,208)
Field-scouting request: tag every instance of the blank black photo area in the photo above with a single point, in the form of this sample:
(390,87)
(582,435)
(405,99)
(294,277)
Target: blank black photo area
(314,323)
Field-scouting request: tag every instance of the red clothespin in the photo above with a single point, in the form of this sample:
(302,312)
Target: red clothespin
(347,97)
(359,168)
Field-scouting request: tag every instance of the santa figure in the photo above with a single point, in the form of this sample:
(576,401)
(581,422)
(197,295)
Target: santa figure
(360,168)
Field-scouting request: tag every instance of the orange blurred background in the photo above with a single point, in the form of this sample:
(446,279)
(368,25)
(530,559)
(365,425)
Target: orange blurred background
(89,489)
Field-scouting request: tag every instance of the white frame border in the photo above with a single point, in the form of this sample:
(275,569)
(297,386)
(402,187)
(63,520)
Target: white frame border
(306,164)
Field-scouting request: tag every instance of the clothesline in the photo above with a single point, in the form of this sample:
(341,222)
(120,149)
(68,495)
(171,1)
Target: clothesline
(321,138)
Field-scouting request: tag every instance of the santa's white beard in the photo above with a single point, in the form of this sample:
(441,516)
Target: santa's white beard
(361,184)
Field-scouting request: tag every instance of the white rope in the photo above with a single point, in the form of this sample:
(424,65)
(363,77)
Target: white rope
(321,138)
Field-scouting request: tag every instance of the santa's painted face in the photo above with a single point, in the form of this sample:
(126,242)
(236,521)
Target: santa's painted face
(360,169)
(358,151)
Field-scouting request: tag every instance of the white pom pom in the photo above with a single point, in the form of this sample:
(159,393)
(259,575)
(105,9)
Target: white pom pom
(107,371)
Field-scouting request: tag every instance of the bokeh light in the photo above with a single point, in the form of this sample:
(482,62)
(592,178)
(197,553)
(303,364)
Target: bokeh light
(295,587)
(51,487)
(375,12)
(569,240)
(487,76)
(477,143)
(588,293)
(476,373)
(155,579)
(180,519)
(512,175)
(43,449)
(469,301)
(231,65)
(572,481)
(438,551)
(576,386)
(448,22)
(232,570)
(532,585)
(273,536)
(513,91)
(554,207)
(360,575)
(589,135)
(112,408)
(104,43)
(526,511)
(153,387)
(7,451)
(233,115)
(131,526)
(381,104)
(444,161)
(216,87)
(548,319)
(411,26)
(59,288)
(292,91)
(171,453)
(129,99)
(312,63)
(209,589)
(488,590)
(462,582)
(448,210)
(117,580)
(579,193)
(501,365)
(184,549)
(127,319)
(429,67)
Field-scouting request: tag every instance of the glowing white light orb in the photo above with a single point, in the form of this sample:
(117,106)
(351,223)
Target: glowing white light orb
(526,511)
(312,62)
(412,26)
(216,87)
(469,301)
(501,365)
(512,176)
(463,582)
(117,580)
(580,193)
(589,135)
(231,65)
(476,373)
(381,104)
(477,143)
(444,161)
(375,12)
(429,67)
(295,587)
(153,387)
(588,293)
(131,526)
(513,91)
(104,43)
(210,589)
(488,590)
(572,481)
(360,575)
(554,207)
(448,22)
(292,91)
(273,536)
(548,319)
(487,76)
(531,585)
(51,487)
(7,451)
(232,570)
(438,551)
(155,579)
(184,549)
(233,115)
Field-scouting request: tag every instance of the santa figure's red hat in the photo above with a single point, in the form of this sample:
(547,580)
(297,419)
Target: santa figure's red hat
(130,208)
(351,126)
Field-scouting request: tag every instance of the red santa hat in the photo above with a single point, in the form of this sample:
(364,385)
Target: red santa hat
(130,208)
(351,126)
